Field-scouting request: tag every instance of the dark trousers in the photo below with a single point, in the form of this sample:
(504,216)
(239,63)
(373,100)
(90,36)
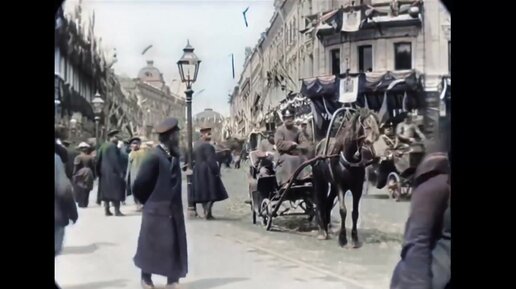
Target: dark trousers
(116,205)
(147,277)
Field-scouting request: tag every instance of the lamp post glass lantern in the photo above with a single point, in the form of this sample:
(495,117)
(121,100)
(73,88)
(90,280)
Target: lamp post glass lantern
(98,106)
(188,68)
(188,65)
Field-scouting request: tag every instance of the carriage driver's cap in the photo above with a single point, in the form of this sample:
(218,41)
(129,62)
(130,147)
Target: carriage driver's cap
(168,124)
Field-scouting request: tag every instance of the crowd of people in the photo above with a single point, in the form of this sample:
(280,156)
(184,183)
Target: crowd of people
(152,174)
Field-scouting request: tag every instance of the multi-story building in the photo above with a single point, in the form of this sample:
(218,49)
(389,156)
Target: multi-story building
(154,99)
(83,68)
(381,39)
(79,66)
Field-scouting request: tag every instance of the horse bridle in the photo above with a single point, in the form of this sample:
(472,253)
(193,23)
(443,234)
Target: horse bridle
(359,147)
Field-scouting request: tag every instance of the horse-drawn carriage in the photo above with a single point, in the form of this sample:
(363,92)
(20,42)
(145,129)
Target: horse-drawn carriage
(343,134)
(396,161)
(267,197)
(396,168)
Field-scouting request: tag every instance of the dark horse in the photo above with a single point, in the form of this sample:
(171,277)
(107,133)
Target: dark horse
(334,177)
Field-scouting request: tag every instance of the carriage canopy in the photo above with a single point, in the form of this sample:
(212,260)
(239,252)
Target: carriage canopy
(390,94)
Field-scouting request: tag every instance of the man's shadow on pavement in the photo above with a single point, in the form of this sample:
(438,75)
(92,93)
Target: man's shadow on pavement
(88,249)
(99,285)
(210,283)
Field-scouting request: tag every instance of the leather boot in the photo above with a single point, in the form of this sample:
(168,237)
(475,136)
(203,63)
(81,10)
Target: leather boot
(106,209)
(117,209)
(207,211)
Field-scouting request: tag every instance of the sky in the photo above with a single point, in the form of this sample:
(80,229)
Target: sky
(215,28)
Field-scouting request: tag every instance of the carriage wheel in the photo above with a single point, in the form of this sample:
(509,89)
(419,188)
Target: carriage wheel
(266,213)
(394,186)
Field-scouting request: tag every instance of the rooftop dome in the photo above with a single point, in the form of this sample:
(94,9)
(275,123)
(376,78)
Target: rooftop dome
(208,115)
(150,73)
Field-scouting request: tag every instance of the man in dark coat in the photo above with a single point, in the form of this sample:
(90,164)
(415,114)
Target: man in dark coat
(207,185)
(162,241)
(59,134)
(421,265)
(64,204)
(111,174)
(71,154)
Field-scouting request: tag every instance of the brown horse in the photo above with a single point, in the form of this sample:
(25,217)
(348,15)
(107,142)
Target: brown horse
(334,177)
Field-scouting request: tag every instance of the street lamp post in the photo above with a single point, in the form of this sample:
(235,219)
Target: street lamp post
(188,68)
(98,106)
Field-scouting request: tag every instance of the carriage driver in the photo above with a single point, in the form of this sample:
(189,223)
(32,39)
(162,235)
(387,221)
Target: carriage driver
(407,130)
(266,151)
(292,147)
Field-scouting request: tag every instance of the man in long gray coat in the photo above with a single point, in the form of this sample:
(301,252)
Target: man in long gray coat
(111,174)
(162,241)
(293,149)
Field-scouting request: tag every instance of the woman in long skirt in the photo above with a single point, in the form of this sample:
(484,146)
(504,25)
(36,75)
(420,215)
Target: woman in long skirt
(83,175)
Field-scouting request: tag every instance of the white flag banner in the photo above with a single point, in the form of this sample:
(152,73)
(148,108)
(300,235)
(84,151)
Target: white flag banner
(348,90)
(351,21)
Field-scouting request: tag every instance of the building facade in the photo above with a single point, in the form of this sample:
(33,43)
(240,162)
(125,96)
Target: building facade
(79,66)
(83,68)
(308,39)
(154,99)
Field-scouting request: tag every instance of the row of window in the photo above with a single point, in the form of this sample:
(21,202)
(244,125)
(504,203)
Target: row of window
(402,58)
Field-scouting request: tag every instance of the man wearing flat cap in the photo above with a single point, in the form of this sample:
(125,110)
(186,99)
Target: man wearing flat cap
(111,174)
(162,241)
(207,184)
(135,159)
(292,147)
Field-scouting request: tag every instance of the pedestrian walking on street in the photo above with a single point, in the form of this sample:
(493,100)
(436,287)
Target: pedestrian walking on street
(64,204)
(135,159)
(71,154)
(207,184)
(59,134)
(124,158)
(111,175)
(424,225)
(162,241)
(83,175)
(425,255)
